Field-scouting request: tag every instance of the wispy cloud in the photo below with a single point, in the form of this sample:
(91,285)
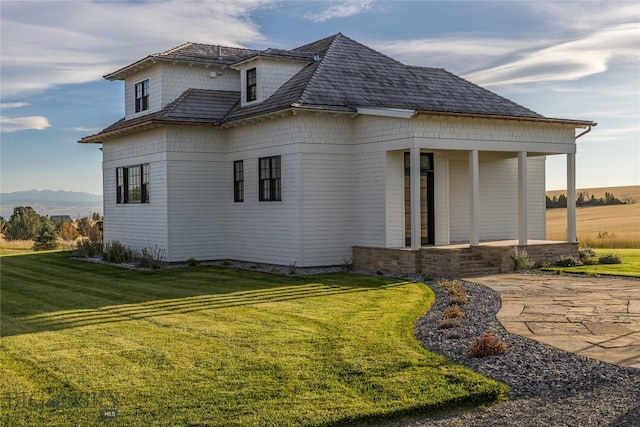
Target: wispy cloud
(570,60)
(340,9)
(23,123)
(7,105)
(51,43)
(86,130)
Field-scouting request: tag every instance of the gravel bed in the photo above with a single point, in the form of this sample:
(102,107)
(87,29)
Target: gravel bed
(549,387)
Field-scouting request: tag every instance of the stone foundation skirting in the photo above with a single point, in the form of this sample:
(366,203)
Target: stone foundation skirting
(456,261)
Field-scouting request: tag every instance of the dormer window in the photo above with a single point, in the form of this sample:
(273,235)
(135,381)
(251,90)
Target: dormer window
(142,96)
(252,85)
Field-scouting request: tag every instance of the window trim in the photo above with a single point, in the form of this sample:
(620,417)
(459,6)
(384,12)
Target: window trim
(141,95)
(252,85)
(270,179)
(238,181)
(125,188)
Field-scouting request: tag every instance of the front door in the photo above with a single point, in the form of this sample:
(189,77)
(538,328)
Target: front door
(426,199)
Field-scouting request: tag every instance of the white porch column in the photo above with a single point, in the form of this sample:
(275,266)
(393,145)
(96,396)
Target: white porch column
(474,199)
(416,240)
(523,233)
(571,198)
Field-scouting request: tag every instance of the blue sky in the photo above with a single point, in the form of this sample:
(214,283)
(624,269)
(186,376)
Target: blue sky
(574,60)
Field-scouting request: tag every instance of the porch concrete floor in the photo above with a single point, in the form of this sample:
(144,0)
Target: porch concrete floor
(594,317)
(496,243)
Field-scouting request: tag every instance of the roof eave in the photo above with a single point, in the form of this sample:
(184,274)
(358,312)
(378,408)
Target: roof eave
(147,62)
(576,123)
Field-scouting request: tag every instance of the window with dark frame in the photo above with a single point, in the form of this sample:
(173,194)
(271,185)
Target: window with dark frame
(270,188)
(132,184)
(238,181)
(252,85)
(142,96)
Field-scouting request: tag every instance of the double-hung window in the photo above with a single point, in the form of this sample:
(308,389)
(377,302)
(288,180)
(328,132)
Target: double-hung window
(270,188)
(238,181)
(252,85)
(142,96)
(132,184)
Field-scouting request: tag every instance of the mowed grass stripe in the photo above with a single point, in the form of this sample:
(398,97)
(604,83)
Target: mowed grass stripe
(215,346)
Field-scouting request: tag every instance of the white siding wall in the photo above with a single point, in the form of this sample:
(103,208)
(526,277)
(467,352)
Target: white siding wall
(136,225)
(267,232)
(394,195)
(270,75)
(327,212)
(459,196)
(537,219)
(369,198)
(155,92)
(178,78)
(197,209)
(460,131)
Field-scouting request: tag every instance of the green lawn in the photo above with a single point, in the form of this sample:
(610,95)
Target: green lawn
(215,346)
(630,266)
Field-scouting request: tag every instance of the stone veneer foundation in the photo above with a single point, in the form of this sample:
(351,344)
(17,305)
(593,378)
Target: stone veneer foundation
(456,260)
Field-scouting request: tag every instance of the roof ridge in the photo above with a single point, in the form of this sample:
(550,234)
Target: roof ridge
(173,49)
(321,64)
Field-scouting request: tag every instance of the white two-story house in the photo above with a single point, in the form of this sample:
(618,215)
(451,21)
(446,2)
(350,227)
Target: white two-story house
(282,156)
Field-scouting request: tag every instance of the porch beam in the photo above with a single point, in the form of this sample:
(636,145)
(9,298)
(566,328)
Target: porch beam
(523,232)
(416,240)
(571,198)
(474,199)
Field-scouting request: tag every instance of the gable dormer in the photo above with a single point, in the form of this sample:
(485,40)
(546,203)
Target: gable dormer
(261,75)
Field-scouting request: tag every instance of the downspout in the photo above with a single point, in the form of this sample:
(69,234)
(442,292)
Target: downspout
(586,131)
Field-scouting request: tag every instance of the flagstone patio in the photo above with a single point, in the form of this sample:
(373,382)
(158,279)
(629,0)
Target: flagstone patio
(594,317)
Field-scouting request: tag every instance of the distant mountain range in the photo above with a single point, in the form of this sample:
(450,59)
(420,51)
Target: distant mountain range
(48,202)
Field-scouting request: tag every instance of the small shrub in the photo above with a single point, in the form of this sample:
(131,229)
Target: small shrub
(521,260)
(87,248)
(567,261)
(453,312)
(347,264)
(586,253)
(151,258)
(192,262)
(117,253)
(459,298)
(292,268)
(274,270)
(610,258)
(487,345)
(450,286)
(449,324)
(254,266)
(226,263)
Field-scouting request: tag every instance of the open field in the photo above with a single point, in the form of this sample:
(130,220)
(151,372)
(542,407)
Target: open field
(215,346)
(615,226)
(630,266)
(15,247)
(632,191)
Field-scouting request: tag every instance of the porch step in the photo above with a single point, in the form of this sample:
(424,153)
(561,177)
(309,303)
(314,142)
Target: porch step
(474,265)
